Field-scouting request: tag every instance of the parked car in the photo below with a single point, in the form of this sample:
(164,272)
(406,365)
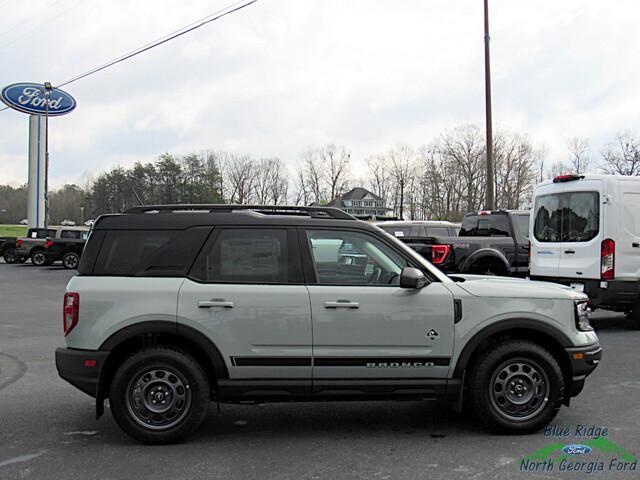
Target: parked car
(586,233)
(89,222)
(237,304)
(66,250)
(67,223)
(24,221)
(490,242)
(32,246)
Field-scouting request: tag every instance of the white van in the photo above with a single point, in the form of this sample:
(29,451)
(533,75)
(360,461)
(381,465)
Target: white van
(585,232)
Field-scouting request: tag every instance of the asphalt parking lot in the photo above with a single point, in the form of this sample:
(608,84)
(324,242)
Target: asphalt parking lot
(48,428)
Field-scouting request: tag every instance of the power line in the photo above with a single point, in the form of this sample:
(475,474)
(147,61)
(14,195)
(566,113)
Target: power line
(234,7)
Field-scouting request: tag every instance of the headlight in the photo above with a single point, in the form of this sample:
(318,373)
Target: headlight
(583,316)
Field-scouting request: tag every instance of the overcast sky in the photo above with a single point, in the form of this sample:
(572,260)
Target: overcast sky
(283,75)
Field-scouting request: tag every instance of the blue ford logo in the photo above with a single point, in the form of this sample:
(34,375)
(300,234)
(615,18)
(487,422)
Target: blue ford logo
(577,449)
(32,98)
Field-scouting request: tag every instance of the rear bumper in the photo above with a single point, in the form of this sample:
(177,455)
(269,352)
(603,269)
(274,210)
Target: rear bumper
(81,368)
(584,360)
(617,295)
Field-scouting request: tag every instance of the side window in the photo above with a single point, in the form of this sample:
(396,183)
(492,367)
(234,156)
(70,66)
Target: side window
(249,255)
(437,232)
(352,258)
(70,234)
(548,217)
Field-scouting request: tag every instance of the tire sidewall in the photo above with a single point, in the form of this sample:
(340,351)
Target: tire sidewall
(484,374)
(38,254)
(70,255)
(9,255)
(154,358)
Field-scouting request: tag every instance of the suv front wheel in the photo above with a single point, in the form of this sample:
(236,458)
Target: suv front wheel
(159,395)
(517,387)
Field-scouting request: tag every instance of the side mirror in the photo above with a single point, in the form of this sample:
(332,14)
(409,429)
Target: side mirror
(412,278)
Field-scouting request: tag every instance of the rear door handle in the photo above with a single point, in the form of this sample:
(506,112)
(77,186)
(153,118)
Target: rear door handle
(570,252)
(341,304)
(214,303)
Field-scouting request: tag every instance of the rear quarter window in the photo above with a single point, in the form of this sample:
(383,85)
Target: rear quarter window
(148,253)
(485,226)
(567,217)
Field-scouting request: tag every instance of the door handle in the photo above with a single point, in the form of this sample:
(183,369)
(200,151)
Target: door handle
(570,252)
(214,303)
(341,304)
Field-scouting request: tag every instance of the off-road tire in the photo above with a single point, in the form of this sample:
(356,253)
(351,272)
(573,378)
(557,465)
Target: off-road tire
(70,260)
(520,362)
(130,395)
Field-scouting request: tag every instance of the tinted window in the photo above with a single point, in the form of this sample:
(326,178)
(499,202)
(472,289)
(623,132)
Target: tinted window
(485,226)
(351,258)
(161,253)
(70,234)
(41,233)
(521,223)
(245,255)
(567,217)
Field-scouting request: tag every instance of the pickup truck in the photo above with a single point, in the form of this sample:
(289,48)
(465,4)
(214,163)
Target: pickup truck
(68,250)
(490,242)
(32,246)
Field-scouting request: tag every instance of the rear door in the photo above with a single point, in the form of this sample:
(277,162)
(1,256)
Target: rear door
(246,294)
(546,233)
(581,230)
(364,325)
(628,238)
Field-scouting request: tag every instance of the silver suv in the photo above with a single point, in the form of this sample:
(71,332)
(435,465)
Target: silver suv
(175,306)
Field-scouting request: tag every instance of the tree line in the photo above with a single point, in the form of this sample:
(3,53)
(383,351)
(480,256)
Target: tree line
(442,179)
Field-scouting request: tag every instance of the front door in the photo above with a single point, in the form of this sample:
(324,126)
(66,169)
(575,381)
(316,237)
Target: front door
(364,325)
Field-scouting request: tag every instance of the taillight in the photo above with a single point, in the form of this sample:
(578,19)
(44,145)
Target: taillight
(18,243)
(439,253)
(47,243)
(607,259)
(70,311)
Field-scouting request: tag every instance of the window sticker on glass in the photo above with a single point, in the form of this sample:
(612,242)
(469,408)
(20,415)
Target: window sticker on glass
(399,234)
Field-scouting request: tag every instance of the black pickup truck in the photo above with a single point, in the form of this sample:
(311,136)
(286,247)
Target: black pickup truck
(69,250)
(490,242)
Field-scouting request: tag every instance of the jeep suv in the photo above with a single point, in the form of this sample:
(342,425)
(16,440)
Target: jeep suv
(175,306)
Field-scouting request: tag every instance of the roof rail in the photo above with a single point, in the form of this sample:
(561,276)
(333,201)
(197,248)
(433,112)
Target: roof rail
(314,212)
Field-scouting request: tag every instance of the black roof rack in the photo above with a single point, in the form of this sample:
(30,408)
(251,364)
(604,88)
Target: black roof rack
(314,212)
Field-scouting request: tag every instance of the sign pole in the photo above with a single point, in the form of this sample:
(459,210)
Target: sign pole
(37,172)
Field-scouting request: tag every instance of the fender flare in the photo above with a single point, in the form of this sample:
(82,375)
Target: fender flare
(173,328)
(484,253)
(504,326)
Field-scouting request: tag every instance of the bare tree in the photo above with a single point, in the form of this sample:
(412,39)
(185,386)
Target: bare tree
(515,169)
(238,174)
(401,163)
(622,157)
(579,154)
(336,160)
(270,181)
(379,178)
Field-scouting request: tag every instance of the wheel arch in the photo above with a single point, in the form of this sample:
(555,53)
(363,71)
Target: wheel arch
(547,336)
(484,254)
(124,342)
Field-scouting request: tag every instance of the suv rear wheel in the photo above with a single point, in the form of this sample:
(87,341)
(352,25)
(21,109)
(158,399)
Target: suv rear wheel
(159,395)
(517,387)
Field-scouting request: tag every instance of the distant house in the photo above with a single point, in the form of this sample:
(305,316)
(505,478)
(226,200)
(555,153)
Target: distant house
(361,203)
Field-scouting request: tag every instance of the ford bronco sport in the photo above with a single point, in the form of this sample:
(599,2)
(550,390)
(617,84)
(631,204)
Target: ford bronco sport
(175,306)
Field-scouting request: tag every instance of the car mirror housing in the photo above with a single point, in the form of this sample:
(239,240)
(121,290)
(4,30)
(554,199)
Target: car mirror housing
(411,277)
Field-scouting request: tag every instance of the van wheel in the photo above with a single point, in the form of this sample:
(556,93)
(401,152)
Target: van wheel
(517,387)
(159,395)
(70,260)
(38,258)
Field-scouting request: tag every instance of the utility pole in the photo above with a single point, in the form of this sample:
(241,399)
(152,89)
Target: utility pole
(490,202)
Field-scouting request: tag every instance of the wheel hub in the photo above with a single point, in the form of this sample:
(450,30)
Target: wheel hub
(519,389)
(158,398)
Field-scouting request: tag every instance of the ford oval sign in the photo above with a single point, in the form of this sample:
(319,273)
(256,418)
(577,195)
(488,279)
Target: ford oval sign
(32,98)
(577,449)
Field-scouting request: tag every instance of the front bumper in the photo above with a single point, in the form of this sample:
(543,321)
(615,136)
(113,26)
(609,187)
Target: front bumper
(584,360)
(81,368)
